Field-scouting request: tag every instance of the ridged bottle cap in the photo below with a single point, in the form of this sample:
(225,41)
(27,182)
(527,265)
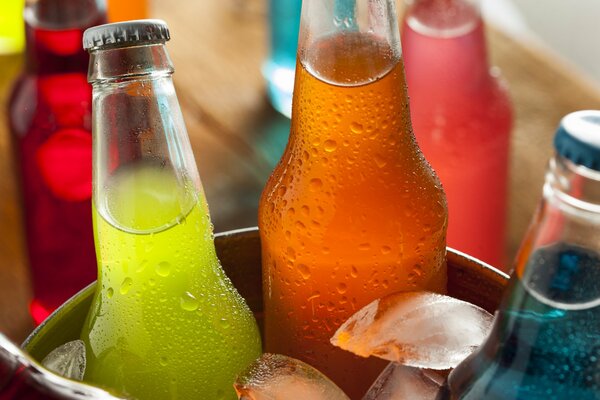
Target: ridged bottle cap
(126,33)
(578,138)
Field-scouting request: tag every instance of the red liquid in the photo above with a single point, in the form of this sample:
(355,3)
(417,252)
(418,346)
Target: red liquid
(50,116)
(462,119)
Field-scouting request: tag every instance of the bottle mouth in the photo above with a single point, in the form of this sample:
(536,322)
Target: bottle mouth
(573,188)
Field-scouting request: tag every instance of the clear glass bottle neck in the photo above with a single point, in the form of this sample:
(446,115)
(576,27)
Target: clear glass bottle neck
(566,227)
(338,33)
(574,189)
(123,63)
(138,127)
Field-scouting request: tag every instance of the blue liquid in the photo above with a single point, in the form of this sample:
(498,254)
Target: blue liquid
(546,338)
(279,69)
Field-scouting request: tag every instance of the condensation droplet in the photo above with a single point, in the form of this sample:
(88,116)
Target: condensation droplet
(364,246)
(354,272)
(163,269)
(380,161)
(385,249)
(142,266)
(291,253)
(342,288)
(224,322)
(125,286)
(330,146)
(110,292)
(163,361)
(304,271)
(188,302)
(355,127)
(315,184)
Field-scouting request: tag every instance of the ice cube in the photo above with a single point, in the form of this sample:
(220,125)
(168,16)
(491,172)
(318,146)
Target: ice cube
(67,360)
(399,382)
(417,329)
(277,377)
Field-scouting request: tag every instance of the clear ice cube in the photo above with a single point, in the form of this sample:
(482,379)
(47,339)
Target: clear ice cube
(67,360)
(277,377)
(399,382)
(417,329)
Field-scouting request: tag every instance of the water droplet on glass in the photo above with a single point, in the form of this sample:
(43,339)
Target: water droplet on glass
(291,253)
(188,302)
(163,269)
(385,249)
(354,272)
(110,292)
(224,322)
(342,288)
(315,184)
(380,161)
(364,246)
(163,361)
(304,271)
(142,266)
(330,146)
(355,127)
(125,286)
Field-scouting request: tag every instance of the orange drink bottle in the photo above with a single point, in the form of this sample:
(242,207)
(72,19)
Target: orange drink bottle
(353,211)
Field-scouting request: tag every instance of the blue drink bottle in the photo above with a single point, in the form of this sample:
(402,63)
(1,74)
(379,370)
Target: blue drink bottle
(545,343)
(279,69)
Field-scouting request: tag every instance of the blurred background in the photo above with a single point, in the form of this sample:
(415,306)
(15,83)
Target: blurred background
(548,54)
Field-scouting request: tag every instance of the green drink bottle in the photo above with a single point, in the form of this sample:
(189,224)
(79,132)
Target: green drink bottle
(165,322)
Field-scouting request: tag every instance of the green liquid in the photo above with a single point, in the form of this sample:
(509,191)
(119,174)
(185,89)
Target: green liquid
(166,323)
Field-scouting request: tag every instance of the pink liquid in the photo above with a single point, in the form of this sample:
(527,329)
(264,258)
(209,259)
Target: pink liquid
(462,118)
(50,116)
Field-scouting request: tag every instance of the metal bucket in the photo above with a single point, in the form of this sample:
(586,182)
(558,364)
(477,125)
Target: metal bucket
(239,252)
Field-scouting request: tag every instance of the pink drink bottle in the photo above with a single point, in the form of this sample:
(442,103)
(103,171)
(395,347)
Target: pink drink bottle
(50,119)
(462,119)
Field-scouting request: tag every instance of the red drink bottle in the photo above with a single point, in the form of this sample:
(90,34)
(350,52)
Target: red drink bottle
(50,116)
(462,118)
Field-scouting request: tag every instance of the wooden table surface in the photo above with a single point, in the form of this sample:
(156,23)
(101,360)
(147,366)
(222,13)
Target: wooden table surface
(217,48)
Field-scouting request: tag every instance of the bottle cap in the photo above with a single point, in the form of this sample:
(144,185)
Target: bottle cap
(578,138)
(143,31)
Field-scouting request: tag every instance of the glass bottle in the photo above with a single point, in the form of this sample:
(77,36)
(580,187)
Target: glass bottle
(165,322)
(353,211)
(22,378)
(545,343)
(50,121)
(462,117)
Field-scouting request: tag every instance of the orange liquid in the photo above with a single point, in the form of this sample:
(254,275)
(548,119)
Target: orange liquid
(125,10)
(352,212)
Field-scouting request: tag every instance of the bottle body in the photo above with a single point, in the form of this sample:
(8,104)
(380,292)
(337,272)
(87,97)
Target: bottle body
(462,118)
(164,312)
(545,341)
(50,119)
(279,68)
(352,212)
